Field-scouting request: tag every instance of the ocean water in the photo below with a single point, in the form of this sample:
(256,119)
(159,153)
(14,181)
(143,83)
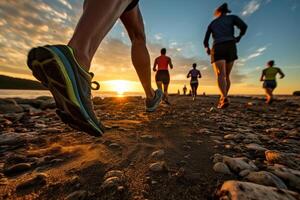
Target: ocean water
(32,94)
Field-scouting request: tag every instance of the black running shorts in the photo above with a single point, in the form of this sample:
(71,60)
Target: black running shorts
(132,5)
(162,76)
(224,51)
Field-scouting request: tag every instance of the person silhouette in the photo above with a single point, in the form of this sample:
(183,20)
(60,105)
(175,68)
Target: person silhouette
(224,51)
(268,76)
(194,74)
(162,77)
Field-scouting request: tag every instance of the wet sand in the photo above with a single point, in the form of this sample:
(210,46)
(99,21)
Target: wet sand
(185,151)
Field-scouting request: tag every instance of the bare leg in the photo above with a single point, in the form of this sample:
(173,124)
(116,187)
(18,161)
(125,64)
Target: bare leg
(97,19)
(220,70)
(228,71)
(166,86)
(159,85)
(133,22)
(269,94)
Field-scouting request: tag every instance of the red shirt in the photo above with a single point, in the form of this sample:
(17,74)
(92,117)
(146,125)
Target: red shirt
(162,62)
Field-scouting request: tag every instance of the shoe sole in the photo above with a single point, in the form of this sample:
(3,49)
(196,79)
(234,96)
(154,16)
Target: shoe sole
(49,69)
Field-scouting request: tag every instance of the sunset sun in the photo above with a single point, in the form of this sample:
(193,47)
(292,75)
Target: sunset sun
(121,86)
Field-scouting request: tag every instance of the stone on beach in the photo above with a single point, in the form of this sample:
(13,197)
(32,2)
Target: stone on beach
(77,195)
(239,164)
(9,106)
(236,190)
(158,166)
(158,154)
(37,181)
(17,168)
(221,168)
(265,178)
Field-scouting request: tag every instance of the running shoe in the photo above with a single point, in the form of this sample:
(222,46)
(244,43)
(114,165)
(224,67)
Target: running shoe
(152,104)
(223,103)
(56,68)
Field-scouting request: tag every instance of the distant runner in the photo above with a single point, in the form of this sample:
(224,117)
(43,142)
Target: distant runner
(268,76)
(162,77)
(64,69)
(224,52)
(194,74)
(184,90)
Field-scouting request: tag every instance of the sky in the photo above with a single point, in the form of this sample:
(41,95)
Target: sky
(178,25)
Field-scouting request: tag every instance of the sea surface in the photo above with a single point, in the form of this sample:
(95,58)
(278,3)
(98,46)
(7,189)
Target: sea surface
(32,94)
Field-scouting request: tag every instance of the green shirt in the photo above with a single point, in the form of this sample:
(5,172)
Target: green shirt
(270,73)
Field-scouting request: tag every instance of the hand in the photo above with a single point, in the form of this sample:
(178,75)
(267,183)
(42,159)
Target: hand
(207,50)
(237,39)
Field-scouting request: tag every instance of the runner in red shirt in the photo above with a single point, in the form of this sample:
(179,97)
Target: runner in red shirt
(161,67)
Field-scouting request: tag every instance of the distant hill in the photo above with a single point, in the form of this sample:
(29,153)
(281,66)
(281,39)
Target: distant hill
(7,82)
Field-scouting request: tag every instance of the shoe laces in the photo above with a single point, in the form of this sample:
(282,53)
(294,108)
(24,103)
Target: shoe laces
(95,83)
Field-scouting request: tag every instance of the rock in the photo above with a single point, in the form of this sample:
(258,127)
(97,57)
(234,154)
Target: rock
(77,195)
(235,190)
(16,169)
(115,145)
(217,158)
(158,154)
(9,106)
(265,178)
(158,166)
(296,93)
(289,159)
(244,173)
(40,125)
(255,147)
(221,168)
(239,164)
(229,137)
(48,104)
(290,176)
(34,183)
(111,182)
(147,137)
(115,173)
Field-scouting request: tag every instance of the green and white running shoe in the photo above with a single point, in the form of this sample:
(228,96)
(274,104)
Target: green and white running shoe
(56,67)
(152,104)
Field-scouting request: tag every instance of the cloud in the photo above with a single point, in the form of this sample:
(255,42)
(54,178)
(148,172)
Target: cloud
(258,52)
(251,7)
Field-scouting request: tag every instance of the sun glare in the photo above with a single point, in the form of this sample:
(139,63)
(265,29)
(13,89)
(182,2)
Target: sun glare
(121,86)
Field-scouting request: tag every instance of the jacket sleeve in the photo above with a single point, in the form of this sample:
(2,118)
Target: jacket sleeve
(241,25)
(207,36)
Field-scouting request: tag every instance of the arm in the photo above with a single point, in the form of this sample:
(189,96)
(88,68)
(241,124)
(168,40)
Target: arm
(189,74)
(241,25)
(199,75)
(206,40)
(154,65)
(170,63)
(282,75)
(262,76)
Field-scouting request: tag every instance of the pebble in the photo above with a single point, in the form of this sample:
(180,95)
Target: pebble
(77,195)
(255,147)
(158,154)
(114,145)
(33,183)
(221,168)
(115,173)
(239,164)
(236,190)
(158,166)
(111,182)
(16,169)
(265,178)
